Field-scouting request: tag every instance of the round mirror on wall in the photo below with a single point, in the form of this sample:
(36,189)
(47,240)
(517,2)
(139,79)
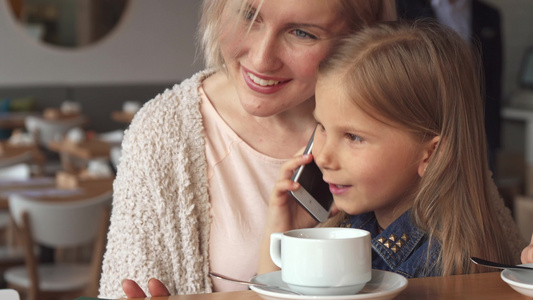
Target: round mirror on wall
(68,23)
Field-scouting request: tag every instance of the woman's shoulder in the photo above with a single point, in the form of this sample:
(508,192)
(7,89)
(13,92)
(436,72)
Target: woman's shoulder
(175,105)
(177,97)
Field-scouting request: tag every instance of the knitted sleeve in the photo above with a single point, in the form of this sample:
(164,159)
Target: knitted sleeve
(160,216)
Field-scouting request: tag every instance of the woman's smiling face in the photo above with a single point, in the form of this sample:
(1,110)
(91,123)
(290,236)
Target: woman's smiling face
(273,64)
(370,165)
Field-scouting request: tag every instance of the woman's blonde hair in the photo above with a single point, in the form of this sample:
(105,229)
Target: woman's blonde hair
(356,12)
(425,79)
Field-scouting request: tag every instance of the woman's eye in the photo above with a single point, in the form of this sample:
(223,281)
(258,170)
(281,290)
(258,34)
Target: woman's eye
(248,14)
(304,35)
(354,137)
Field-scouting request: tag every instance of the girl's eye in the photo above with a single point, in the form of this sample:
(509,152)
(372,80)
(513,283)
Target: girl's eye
(304,35)
(354,138)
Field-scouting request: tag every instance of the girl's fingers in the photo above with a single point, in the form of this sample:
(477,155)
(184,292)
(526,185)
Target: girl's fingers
(279,196)
(288,168)
(285,185)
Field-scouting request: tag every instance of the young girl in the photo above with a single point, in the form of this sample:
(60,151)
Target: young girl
(400,140)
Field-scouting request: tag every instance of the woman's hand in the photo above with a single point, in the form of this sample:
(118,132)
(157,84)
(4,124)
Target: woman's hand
(284,213)
(133,290)
(527,253)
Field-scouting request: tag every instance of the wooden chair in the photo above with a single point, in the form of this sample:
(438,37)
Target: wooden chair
(59,225)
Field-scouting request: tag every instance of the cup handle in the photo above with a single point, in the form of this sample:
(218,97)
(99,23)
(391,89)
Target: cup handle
(275,248)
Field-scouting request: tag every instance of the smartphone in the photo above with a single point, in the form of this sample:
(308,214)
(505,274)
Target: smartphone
(313,194)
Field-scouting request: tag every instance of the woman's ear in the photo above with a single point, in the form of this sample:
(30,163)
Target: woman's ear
(426,155)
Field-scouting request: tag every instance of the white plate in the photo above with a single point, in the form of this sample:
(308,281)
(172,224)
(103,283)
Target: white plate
(383,286)
(520,280)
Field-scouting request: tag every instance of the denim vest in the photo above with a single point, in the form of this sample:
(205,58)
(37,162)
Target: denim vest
(401,248)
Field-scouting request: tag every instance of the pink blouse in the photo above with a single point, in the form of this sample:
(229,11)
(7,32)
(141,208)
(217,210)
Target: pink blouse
(240,182)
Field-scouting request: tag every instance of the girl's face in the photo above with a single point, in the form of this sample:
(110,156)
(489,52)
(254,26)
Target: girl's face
(273,66)
(369,165)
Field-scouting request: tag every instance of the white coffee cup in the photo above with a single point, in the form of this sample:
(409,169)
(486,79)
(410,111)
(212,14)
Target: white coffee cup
(323,261)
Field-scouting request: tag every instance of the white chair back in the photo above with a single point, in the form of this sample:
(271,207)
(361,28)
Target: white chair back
(60,224)
(15,172)
(9,294)
(48,130)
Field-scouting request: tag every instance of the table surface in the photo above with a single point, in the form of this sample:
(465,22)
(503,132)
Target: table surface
(10,152)
(472,287)
(122,116)
(89,149)
(14,120)
(46,190)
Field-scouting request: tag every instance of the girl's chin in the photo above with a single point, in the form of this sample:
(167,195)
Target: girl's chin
(349,209)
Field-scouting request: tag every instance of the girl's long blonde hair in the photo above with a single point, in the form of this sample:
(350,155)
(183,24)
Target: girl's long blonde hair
(357,13)
(424,78)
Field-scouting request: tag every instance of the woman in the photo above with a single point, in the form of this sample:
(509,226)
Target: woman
(200,160)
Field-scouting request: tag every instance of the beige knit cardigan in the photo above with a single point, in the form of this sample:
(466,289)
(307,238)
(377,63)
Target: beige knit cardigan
(160,217)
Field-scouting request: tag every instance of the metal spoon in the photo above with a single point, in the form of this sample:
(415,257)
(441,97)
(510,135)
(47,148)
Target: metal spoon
(492,264)
(267,287)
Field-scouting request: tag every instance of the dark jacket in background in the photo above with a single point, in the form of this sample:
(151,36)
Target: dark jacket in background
(486,33)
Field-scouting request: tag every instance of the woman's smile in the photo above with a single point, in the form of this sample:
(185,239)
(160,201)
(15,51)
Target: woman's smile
(263,84)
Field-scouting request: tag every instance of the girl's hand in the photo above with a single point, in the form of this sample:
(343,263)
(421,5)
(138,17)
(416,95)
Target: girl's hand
(284,212)
(527,253)
(133,290)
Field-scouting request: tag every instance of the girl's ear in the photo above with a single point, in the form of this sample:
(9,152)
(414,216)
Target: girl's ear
(426,155)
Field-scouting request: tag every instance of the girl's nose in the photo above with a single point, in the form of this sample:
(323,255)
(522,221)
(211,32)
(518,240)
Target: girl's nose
(323,154)
(265,53)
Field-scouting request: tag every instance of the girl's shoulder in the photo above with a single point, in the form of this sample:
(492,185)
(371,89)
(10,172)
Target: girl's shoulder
(402,247)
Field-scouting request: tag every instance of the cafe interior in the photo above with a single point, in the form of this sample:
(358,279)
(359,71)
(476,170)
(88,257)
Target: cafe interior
(72,76)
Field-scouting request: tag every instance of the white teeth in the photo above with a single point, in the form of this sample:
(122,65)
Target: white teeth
(262,82)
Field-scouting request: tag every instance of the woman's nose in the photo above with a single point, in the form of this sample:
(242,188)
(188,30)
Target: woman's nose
(265,53)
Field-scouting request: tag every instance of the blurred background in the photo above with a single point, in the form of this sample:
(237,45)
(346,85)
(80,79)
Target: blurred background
(73,74)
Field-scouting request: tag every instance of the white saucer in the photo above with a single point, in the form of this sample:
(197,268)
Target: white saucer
(520,281)
(383,286)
